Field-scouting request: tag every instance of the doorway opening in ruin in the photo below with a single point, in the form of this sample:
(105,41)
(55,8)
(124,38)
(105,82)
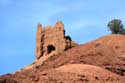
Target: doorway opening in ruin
(50,48)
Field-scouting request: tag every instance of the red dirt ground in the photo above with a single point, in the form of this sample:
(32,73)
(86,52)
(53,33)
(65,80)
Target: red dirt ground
(99,61)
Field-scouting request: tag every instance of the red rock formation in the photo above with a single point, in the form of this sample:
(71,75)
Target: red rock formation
(50,39)
(39,43)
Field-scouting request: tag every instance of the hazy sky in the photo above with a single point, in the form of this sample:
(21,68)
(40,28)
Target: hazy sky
(84,21)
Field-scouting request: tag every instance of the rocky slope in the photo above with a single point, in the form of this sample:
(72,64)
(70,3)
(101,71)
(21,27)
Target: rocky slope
(99,61)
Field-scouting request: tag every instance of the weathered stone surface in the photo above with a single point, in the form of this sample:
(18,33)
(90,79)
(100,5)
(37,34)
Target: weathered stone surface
(50,39)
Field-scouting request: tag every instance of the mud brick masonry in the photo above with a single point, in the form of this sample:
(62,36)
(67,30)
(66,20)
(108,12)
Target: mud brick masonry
(49,39)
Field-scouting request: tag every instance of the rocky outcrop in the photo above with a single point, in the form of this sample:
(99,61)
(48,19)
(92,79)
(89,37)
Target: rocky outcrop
(50,39)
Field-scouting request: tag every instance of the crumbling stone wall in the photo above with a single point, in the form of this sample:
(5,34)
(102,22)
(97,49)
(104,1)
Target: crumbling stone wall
(50,39)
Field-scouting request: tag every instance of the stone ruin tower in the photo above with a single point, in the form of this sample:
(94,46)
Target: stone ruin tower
(51,39)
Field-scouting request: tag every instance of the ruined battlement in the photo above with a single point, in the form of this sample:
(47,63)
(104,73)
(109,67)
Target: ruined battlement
(51,39)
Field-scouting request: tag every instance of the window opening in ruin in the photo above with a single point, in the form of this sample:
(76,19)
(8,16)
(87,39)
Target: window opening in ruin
(50,48)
